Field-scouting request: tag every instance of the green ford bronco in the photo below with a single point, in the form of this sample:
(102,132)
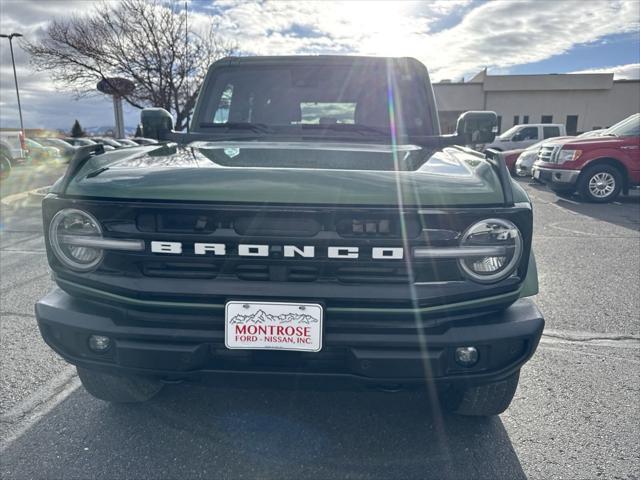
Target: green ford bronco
(313,225)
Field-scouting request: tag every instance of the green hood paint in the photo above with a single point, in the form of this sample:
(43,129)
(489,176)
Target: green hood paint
(295,173)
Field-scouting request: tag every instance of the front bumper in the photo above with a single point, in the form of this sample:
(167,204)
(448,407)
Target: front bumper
(368,351)
(555,175)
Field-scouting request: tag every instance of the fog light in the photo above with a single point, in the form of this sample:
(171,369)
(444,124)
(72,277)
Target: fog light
(466,356)
(99,343)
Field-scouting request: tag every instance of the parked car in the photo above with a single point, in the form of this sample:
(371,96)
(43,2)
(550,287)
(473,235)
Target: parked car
(303,253)
(79,141)
(511,156)
(144,140)
(599,168)
(107,142)
(127,142)
(40,153)
(15,141)
(527,157)
(523,136)
(83,142)
(67,151)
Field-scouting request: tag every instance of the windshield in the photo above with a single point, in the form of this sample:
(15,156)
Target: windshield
(629,127)
(291,98)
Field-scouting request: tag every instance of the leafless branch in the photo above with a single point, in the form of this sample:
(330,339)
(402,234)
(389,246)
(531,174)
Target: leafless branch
(143,41)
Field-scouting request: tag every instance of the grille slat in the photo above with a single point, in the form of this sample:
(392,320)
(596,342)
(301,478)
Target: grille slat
(547,153)
(325,271)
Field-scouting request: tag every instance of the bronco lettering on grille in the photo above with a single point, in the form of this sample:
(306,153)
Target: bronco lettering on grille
(288,251)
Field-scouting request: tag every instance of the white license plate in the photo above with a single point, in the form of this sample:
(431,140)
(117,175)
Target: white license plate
(536,174)
(273,326)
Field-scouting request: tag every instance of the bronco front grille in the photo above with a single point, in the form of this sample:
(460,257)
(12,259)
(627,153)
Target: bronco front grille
(188,277)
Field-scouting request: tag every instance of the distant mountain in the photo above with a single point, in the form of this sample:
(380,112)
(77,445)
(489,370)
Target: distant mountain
(262,317)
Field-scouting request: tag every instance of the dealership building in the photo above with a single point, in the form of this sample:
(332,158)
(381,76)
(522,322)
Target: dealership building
(582,102)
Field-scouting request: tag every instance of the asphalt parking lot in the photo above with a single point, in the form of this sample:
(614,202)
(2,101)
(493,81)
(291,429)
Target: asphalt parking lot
(574,416)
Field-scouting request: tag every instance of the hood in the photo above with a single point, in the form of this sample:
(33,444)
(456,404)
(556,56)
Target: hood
(587,142)
(291,173)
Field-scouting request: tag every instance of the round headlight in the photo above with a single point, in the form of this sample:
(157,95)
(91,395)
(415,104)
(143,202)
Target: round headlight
(64,226)
(492,232)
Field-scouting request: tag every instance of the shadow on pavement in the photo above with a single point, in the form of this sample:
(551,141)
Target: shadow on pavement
(624,212)
(193,431)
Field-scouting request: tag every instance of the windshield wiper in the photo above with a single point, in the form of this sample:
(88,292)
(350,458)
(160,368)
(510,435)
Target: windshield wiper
(97,172)
(252,127)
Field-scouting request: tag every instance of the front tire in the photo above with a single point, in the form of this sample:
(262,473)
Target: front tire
(117,389)
(483,400)
(600,184)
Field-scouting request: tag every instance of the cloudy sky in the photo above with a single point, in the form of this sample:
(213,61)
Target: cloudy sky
(454,38)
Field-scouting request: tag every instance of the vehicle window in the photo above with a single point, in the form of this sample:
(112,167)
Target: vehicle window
(222,112)
(509,133)
(528,133)
(549,132)
(328,112)
(300,95)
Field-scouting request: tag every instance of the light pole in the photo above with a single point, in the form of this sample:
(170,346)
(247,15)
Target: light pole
(15,77)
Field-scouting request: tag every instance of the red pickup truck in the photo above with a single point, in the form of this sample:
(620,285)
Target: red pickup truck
(599,168)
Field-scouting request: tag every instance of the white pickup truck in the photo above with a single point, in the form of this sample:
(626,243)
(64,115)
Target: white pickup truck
(522,136)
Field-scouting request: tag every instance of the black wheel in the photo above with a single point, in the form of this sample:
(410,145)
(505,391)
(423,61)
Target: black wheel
(483,400)
(5,166)
(117,389)
(600,183)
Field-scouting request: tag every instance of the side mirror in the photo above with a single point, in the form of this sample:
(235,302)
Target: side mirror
(476,127)
(157,123)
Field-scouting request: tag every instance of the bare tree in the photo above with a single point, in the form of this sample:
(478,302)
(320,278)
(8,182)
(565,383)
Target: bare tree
(148,42)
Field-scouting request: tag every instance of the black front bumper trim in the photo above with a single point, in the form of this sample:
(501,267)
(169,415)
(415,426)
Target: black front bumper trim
(505,341)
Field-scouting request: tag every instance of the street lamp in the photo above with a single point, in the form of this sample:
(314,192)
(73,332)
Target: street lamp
(15,77)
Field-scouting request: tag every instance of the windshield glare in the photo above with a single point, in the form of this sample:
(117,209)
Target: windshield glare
(337,98)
